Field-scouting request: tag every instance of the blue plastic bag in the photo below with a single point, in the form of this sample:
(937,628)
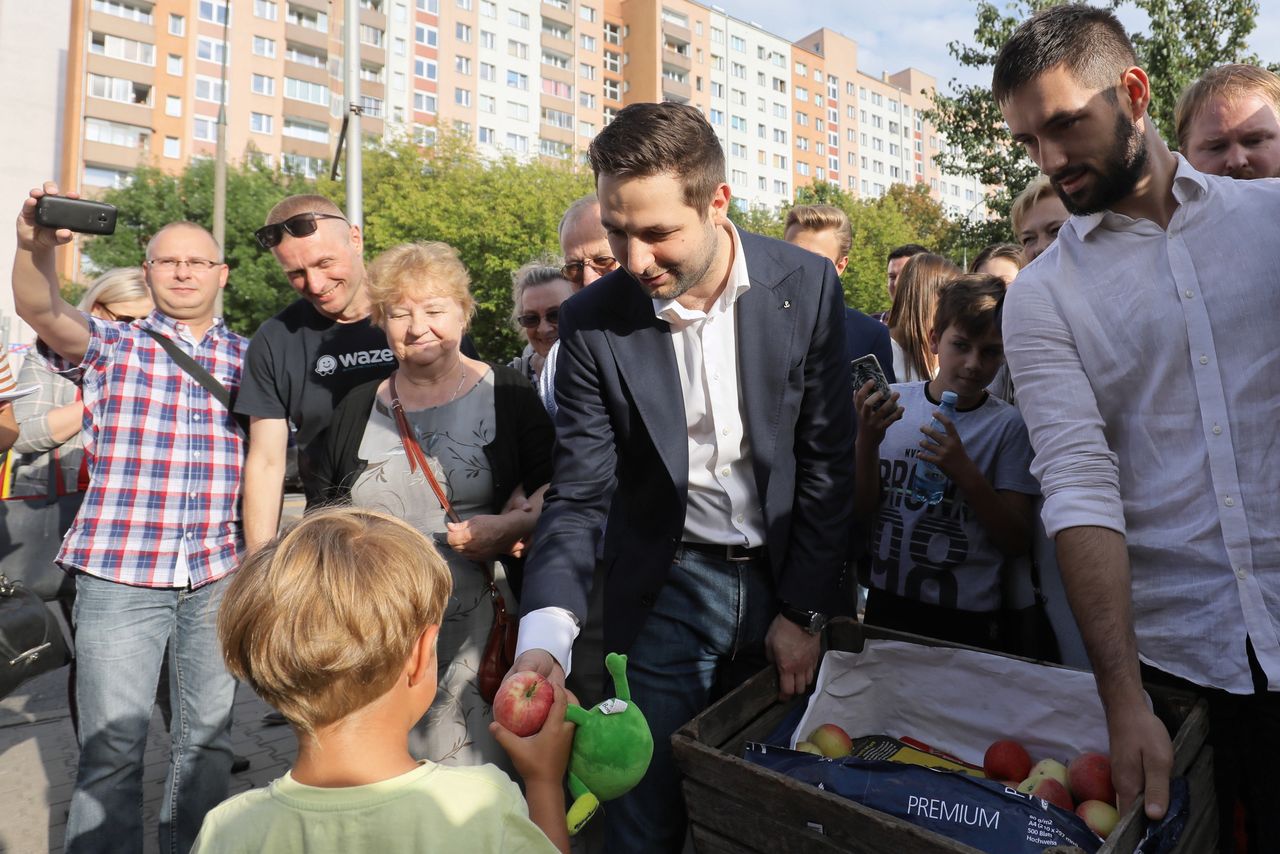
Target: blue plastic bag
(982,813)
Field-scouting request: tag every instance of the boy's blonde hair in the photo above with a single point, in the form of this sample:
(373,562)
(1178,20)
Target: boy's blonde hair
(822,218)
(321,621)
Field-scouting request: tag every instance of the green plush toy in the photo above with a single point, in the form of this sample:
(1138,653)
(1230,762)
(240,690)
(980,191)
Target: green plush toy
(612,747)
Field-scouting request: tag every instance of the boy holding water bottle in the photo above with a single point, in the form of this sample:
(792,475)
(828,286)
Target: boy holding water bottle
(935,568)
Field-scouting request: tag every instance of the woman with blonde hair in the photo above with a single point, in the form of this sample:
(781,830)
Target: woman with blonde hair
(482,432)
(911,317)
(49,420)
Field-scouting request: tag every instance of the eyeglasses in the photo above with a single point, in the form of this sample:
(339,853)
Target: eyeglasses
(298,225)
(573,270)
(117,318)
(170,265)
(532,321)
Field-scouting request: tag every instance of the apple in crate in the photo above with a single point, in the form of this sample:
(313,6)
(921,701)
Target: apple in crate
(1100,817)
(1006,760)
(1047,789)
(831,740)
(522,702)
(1089,778)
(1049,768)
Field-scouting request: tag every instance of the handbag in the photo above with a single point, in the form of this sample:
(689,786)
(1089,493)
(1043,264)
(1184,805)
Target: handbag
(32,528)
(31,641)
(500,647)
(1027,631)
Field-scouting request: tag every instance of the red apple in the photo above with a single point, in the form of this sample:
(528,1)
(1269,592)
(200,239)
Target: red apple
(1101,817)
(1048,789)
(1089,778)
(831,740)
(522,702)
(1006,760)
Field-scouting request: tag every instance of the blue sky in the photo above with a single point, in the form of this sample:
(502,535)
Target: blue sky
(892,34)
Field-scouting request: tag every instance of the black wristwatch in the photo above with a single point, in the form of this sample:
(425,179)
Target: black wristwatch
(812,622)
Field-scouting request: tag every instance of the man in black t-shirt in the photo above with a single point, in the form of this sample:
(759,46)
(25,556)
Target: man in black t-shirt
(303,361)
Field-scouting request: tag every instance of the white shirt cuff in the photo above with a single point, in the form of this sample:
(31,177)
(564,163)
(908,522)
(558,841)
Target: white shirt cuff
(550,629)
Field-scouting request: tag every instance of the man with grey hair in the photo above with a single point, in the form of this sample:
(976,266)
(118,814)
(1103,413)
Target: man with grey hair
(158,532)
(587,257)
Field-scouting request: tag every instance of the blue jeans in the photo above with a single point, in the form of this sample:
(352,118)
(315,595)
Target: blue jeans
(704,637)
(121,632)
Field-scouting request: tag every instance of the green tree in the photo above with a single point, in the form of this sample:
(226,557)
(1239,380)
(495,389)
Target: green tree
(498,214)
(904,214)
(256,289)
(1183,39)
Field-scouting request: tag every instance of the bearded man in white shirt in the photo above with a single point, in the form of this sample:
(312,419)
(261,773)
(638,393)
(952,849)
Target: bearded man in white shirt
(1143,345)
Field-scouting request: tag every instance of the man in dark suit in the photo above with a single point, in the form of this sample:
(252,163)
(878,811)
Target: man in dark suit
(825,230)
(703,399)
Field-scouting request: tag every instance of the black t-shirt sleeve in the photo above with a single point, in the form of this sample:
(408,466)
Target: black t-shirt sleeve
(260,395)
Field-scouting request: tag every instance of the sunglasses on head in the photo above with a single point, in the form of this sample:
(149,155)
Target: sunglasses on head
(602,264)
(298,225)
(531,320)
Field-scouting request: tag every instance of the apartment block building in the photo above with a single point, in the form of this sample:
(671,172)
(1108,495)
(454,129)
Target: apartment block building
(533,78)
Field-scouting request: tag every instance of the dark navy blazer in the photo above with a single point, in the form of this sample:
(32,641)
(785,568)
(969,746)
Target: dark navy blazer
(622,442)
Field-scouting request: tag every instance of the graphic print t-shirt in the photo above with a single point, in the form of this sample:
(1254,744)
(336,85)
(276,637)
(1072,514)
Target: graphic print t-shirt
(941,555)
(300,364)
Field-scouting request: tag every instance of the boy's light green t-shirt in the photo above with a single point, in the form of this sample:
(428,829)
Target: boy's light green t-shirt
(431,808)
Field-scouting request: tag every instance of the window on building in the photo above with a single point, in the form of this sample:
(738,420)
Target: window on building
(305,130)
(173,105)
(516,80)
(305,90)
(174,65)
(116,133)
(372,35)
(125,9)
(488,104)
(612,62)
(177,25)
(309,19)
(424,102)
(612,34)
(172,147)
(427,35)
(210,50)
(266,9)
(263,85)
(261,123)
(518,111)
(488,40)
(462,97)
(119,47)
(213,11)
(462,32)
(516,18)
(462,65)
(206,129)
(519,50)
(586,71)
(488,72)
(425,68)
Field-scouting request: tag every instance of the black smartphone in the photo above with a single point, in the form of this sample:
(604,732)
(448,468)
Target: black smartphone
(79,215)
(866,368)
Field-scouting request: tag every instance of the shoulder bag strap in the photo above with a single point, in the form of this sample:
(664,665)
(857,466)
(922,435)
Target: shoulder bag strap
(414,451)
(197,372)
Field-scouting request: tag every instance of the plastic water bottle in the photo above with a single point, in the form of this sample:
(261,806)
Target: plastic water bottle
(928,483)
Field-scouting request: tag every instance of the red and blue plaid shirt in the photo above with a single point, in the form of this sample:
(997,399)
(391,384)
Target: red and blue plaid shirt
(163,505)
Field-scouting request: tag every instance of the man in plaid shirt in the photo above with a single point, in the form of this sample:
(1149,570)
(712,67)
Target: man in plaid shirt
(157,535)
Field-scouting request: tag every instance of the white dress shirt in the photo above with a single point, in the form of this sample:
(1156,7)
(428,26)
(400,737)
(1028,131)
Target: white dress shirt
(723,506)
(1147,363)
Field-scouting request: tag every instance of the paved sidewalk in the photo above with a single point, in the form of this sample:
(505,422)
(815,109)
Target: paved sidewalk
(38,762)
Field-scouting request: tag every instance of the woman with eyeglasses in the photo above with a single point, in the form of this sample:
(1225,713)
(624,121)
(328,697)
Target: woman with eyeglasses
(483,435)
(536,293)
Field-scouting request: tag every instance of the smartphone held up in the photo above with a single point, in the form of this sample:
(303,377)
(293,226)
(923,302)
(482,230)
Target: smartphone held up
(79,215)
(867,368)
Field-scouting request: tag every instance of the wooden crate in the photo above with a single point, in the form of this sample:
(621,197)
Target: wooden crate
(736,806)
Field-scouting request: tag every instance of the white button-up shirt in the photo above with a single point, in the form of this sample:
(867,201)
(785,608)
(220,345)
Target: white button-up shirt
(1147,363)
(723,506)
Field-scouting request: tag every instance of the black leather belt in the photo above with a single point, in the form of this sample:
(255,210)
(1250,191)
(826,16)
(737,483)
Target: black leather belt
(733,554)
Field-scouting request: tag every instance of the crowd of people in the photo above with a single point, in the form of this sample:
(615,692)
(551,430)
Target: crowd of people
(677,466)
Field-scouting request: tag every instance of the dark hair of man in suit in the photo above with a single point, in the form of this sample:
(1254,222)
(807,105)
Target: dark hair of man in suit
(906,250)
(645,140)
(1091,43)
